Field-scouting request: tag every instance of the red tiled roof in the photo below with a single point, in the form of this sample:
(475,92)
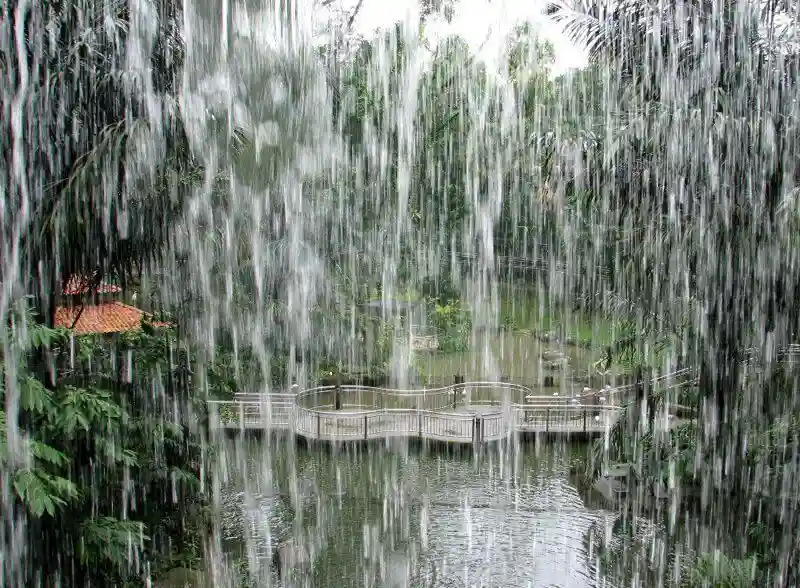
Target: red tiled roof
(111,317)
(80,285)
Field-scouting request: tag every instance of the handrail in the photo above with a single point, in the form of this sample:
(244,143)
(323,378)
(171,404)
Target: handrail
(536,399)
(448,388)
(554,406)
(431,414)
(460,427)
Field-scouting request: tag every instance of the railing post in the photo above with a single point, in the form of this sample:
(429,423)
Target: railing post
(318,426)
(584,419)
(547,421)
(419,423)
(337,398)
(456,388)
(504,380)
(241,416)
(477,429)
(366,434)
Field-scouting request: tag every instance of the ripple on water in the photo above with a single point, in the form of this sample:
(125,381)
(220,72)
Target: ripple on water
(470,524)
(508,533)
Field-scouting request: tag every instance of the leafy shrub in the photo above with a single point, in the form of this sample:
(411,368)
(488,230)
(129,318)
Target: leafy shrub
(716,570)
(508,322)
(454,325)
(102,421)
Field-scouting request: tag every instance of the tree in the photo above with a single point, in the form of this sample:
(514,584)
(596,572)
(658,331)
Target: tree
(99,198)
(697,164)
(95,489)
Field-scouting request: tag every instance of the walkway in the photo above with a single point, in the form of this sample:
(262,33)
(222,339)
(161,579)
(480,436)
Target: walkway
(472,412)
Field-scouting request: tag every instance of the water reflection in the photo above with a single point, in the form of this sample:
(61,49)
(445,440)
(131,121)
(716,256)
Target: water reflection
(389,518)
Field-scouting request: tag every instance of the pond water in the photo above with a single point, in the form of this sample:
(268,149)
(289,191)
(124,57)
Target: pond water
(390,517)
(519,356)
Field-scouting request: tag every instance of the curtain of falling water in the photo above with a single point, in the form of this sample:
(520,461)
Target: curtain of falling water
(277,221)
(257,110)
(19,193)
(46,123)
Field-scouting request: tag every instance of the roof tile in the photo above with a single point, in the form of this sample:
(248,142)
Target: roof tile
(111,317)
(80,285)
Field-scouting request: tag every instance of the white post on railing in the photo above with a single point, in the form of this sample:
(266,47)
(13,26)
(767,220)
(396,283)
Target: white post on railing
(420,404)
(241,416)
(213,415)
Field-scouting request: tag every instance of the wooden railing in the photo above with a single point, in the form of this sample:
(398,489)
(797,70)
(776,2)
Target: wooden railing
(465,413)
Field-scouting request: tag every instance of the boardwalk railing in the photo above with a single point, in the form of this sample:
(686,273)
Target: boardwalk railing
(471,393)
(466,413)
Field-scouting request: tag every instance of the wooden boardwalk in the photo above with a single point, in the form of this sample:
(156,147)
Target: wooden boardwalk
(473,412)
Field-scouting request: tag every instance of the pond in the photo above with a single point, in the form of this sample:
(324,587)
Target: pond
(390,517)
(521,357)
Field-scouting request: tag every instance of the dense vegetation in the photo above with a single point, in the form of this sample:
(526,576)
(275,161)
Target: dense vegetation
(660,180)
(106,463)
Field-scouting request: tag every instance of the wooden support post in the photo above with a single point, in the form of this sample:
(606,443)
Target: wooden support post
(318,427)
(584,420)
(337,396)
(547,421)
(366,429)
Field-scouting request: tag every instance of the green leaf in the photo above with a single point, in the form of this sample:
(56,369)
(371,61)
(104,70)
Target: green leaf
(35,493)
(83,408)
(110,539)
(47,453)
(66,489)
(33,396)
(40,335)
(109,449)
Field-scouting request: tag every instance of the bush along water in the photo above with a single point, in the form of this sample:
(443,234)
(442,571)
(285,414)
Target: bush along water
(666,461)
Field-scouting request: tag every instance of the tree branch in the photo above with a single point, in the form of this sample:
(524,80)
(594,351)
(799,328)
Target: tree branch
(356,10)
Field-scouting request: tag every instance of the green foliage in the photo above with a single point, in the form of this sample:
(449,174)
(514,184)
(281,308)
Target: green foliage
(508,321)
(87,439)
(439,290)
(454,325)
(716,570)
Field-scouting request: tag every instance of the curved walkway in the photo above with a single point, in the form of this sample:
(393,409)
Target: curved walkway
(472,412)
